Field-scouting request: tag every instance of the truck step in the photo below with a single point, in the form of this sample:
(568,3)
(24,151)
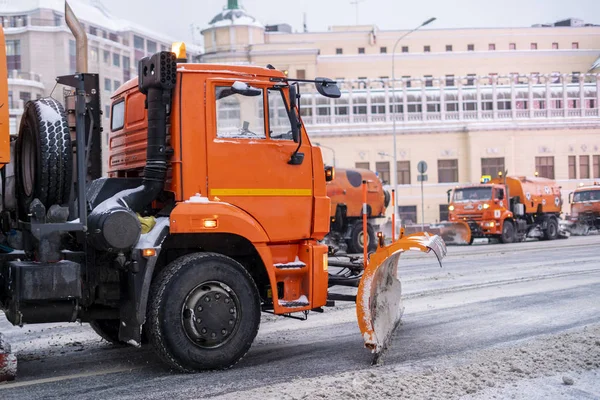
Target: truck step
(296,264)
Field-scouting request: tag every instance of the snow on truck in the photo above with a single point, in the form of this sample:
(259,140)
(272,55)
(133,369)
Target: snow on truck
(345,192)
(212,213)
(507,208)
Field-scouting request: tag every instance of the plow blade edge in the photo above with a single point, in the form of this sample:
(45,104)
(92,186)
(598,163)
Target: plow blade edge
(8,362)
(455,233)
(379,299)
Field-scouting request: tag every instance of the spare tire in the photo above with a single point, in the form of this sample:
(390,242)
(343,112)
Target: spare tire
(43,156)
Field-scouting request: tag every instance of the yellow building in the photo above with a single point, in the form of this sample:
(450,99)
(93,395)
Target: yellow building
(466,101)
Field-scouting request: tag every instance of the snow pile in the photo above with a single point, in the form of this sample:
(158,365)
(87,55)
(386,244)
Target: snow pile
(450,378)
(197,198)
(291,265)
(290,303)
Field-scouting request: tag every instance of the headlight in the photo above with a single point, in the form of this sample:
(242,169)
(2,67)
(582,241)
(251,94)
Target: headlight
(486,206)
(489,224)
(451,208)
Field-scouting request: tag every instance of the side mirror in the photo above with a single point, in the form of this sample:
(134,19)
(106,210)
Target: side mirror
(293,94)
(245,89)
(448,192)
(329,173)
(571,198)
(327,87)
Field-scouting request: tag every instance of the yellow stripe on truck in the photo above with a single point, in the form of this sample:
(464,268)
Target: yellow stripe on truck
(261,192)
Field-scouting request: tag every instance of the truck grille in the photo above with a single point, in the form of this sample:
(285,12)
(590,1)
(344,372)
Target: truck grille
(474,217)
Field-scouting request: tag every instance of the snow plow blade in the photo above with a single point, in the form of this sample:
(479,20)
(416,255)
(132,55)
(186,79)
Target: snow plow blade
(379,298)
(455,233)
(8,362)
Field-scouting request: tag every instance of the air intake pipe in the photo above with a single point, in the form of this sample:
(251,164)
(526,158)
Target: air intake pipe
(113,223)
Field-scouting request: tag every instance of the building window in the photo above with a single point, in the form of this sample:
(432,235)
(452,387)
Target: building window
(533,46)
(575,45)
(93,30)
(575,77)
(362,165)
(361,50)
(449,80)
(448,47)
(545,167)
(383,50)
(150,47)
(403,172)
(426,49)
(492,46)
(106,56)
(339,51)
(491,166)
(470,79)
(407,214)
(596,166)
(126,69)
(139,46)
(428,80)
(443,212)
(407,80)
(447,171)
(116,60)
(383,171)
(584,167)
(113,37)
(94,54)
(470,47)
(555,46)
(572,167)
(512,46)
(107,85)
(405,49)
(301,74)
(116,85)
(25,96)
(13,55)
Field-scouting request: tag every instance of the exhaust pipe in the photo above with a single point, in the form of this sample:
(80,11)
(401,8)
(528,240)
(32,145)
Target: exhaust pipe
(81,53)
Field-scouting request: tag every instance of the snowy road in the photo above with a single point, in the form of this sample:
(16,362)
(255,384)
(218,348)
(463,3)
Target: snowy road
(495,321)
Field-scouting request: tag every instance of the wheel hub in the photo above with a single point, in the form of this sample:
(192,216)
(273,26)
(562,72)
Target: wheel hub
(210,314)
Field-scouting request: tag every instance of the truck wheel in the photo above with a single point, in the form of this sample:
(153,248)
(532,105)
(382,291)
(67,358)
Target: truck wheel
(203,313)
(508,232)
(355,245)
(551,229)
(43,156)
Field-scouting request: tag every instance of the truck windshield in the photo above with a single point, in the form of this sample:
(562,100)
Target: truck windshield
(473,194)
(279,120)
(586,195)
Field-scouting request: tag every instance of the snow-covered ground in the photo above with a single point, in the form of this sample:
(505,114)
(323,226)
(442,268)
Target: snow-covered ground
(497,321)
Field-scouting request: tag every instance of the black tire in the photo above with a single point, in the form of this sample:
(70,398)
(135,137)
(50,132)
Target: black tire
(551,232)
(43,156)
(181,328)
(355,244)
(508,232)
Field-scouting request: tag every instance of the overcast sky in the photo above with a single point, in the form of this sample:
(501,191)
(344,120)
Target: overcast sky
(175,17)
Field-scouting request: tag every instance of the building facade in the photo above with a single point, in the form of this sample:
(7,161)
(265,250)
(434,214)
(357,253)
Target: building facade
(41,47)
(469,102)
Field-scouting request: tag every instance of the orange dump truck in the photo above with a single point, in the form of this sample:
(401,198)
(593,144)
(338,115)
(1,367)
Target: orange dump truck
(508,209)
(585,210)
(213,212)
(345,192)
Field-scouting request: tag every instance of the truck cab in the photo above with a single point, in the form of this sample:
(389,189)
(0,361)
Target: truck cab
(585,208)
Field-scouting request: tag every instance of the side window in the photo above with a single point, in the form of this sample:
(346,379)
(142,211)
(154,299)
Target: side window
(279,121)
(117,116)
(239,116)
(500,194)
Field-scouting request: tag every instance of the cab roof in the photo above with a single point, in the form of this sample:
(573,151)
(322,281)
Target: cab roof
(223,70)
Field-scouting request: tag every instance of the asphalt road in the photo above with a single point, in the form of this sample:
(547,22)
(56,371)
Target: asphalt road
(485,296)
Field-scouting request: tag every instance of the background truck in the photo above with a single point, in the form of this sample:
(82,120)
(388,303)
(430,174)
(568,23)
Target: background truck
(212,213)
(345,192)
(585,210)
(509,208)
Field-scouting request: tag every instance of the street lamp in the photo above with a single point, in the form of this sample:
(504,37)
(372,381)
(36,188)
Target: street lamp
(329,148)
(395,167)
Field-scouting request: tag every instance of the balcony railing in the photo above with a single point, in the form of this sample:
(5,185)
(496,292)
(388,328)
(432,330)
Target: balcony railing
(28,76)
(443,100)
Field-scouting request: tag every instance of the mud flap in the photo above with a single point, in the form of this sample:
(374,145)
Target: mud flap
(455,233)
(8,362)
(379,299)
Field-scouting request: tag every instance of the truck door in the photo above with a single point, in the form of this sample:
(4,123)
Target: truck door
(249,144)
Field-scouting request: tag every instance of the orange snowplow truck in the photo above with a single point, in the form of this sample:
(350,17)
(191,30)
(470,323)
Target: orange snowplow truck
(345,192)
(212,213)
(507,208)
(585,210)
